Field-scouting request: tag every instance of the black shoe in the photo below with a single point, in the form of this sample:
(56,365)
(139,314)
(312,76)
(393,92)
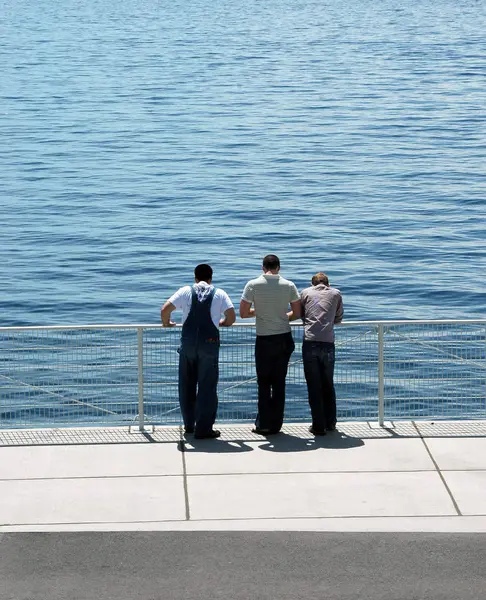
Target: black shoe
(331,428)
(261,431)
(315,432)
(214,433)
(188,429)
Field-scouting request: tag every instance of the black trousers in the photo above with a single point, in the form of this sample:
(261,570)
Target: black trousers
(272,355)
(319,358)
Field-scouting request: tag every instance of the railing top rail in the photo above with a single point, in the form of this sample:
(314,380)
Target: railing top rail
(418,322)
(101,326)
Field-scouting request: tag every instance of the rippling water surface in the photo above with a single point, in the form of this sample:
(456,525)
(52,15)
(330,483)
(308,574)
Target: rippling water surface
(143,137)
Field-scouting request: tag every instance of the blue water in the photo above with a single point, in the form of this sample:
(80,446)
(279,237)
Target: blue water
(140,138)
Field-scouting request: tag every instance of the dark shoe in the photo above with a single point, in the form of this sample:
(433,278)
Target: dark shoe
(261,431)
(188,429)
(214,433)
(315,432)
(331,428)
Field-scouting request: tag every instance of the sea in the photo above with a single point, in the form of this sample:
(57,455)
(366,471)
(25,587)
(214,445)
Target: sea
(143,137)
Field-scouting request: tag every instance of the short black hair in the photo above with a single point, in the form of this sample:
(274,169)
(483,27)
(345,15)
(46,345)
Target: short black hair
(203,273)
(271,262)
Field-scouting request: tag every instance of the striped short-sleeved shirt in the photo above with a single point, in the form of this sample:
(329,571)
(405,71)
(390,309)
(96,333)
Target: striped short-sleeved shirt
(271,295)
(322,306)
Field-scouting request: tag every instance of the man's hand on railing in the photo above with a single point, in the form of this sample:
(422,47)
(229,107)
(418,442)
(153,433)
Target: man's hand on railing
(165,313)
(169,324)
(246,311)
(229,318)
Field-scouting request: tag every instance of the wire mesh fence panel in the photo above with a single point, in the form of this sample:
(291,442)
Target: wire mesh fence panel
(356,372)
(237,390)
(356,376)
(436,371)
(160,374)
(55,377)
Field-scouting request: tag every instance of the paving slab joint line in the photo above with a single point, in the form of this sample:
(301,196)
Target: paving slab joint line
(439,472)
(184,474)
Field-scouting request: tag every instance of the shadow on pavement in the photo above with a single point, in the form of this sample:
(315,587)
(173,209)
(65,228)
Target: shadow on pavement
(288,443)
(282,442)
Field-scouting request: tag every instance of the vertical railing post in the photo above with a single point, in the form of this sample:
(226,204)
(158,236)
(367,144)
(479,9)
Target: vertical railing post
(381,375)
(140,378)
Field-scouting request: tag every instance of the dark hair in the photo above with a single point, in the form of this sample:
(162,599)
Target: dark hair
(271,262)
(203,273)
(320,278)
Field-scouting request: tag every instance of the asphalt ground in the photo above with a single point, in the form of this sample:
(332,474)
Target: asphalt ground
(242,566)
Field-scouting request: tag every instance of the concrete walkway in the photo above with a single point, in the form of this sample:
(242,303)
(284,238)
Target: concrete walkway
(407,477)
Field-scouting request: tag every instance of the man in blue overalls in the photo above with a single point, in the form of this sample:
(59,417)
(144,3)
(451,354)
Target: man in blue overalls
(202,306)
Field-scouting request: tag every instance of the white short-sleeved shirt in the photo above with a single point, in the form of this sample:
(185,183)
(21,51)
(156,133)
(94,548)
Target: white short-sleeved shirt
(271,295)
(182,300)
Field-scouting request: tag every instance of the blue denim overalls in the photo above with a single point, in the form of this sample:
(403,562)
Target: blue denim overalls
(198,366)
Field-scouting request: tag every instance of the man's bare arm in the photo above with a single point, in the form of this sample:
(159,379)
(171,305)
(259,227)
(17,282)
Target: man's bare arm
(246,311)
(165,314)
(229,318)
(296,310)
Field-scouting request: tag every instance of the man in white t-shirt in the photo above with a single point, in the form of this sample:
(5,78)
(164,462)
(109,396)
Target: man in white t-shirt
(270,294)
(202,306)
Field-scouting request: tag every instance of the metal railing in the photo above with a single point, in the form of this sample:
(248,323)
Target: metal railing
(127,374)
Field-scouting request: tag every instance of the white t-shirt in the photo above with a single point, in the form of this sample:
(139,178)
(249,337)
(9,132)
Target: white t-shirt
(182,300)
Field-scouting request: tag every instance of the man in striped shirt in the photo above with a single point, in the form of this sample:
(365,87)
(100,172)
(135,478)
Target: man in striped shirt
(268,298)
